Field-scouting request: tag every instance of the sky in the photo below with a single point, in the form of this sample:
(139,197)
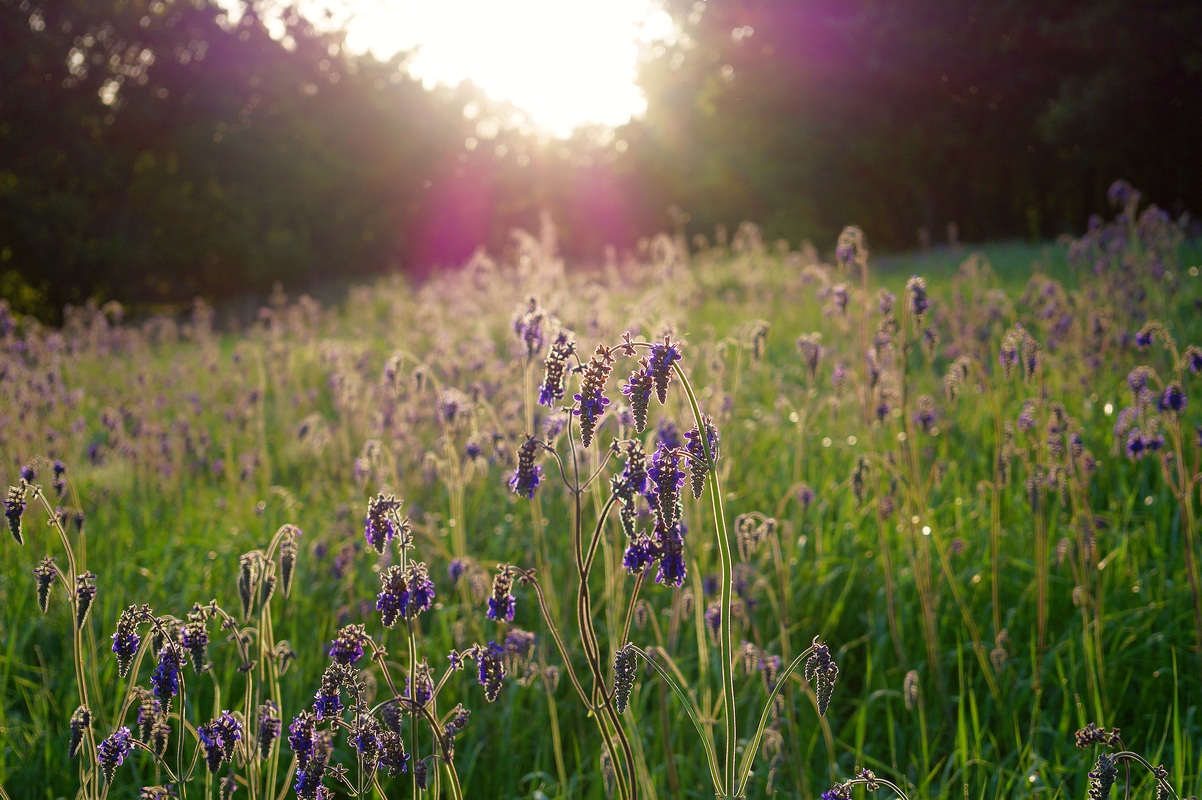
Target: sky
(564,62)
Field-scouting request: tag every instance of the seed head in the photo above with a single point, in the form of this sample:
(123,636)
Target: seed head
(659,366)
(638,388)
(14,509)
(126,639)
(822,671)
(288,553)
(85,593)
(45,575)
(1102,778)
(501,605)
(556,368)
(111,752)
(81,721)
(528,475)
(591,400)
(625,663)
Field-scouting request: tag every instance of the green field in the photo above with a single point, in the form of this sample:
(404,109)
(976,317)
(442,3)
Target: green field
(990,568)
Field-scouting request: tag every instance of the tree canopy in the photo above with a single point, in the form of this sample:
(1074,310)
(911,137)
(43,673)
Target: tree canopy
(153,150)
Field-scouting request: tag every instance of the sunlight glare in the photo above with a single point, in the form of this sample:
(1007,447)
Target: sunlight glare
(565,62)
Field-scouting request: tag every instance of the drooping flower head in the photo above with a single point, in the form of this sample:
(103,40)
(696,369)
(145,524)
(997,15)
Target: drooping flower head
(502,605)
(45,574)
(659,366)
(528,475)
(556,368)
(701,457)
(14,509)
(384,522)
(165,680)
(126,639)
(347,647)
(491,661)
(112,752)
(591,400)
(638,388)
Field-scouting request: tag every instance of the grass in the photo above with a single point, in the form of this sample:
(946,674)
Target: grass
(974,632)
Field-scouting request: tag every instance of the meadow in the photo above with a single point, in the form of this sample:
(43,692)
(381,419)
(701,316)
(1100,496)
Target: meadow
(723,518)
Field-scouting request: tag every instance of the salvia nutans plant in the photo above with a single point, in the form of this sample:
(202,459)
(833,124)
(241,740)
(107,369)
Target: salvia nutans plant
(370,655)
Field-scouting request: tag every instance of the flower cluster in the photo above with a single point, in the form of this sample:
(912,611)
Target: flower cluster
(126,639)
(14,509)
(347,647)
(501,605)
(591,400)
(528,475)
(822,671)
(384,522)
(218,739)
(625,661)
(555,369)
(638,388)
(404,593)
(112,752)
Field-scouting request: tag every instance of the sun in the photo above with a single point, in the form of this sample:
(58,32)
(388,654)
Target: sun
(566,63)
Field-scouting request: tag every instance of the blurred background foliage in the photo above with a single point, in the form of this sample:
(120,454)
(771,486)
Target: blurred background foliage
(155,150)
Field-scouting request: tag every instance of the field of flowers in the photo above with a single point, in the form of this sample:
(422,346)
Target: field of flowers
(726,519)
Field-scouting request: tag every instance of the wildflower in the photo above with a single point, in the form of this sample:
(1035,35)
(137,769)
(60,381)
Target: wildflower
(822,671)
(419,688)
(384,523)
(1173,400)
(591,400)
(269,727)
(839,379)
(555,369)
(501,605)
(839,297)
(288,552)
(85,593)
(126,639)
(1193,358)
(327,703)
(916,291)
(1102,777)
(810,346)
(14,509)
(81,721)
(347,647)
(195,637)
(528,326)
(639,554)
(111,752)
(455,725)
(805,495)
(858,479)
(45,574)
(670,546)
(492,669)
(924,415)
(638,388)
(366,736)
(1145,337)
(528,475)
(1136,445)
(393,598)
(165,680)
(421,589)
(667,480)
(702,458)
(393,756)
(850,247)
(219,738)
(1091,734)
(625,661)
(1121,193)
(659,366)
(250,576)
(302,736)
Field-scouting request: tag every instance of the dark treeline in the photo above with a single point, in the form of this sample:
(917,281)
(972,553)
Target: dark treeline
(153,150)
